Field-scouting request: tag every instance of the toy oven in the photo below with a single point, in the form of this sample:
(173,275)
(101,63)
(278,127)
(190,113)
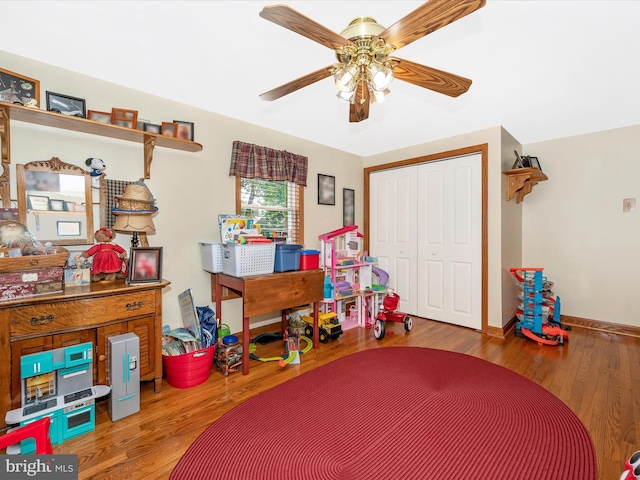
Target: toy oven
(78,419)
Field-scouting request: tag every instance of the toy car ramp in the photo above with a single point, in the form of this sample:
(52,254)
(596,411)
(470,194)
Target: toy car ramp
(542,339)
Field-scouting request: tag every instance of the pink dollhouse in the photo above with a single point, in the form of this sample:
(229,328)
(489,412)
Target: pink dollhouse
(353,297)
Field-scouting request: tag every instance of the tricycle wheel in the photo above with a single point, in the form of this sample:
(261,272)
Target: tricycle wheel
(379,329)
(323,337)
(408,323)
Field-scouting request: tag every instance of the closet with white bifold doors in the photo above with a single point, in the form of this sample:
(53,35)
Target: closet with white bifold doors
(426,231)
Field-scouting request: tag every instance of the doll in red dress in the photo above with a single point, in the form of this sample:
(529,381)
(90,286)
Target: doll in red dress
(109,259)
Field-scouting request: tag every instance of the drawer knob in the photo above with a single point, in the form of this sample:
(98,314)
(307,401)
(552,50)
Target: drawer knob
(42,319)
(102,358)
(134,305)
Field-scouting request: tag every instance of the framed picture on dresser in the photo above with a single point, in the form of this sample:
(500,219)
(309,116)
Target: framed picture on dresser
(145,265)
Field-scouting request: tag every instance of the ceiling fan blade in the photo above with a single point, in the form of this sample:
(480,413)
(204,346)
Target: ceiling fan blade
(289,18)
(426,19)
(359,108)
(297,84)
(431,78)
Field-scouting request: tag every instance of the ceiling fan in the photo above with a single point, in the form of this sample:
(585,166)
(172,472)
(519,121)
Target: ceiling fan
(363,49)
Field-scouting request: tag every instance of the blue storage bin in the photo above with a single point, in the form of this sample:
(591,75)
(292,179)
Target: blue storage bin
(287,257)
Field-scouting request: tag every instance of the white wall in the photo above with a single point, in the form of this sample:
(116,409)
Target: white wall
(191,188)
(511,233)
(574,227)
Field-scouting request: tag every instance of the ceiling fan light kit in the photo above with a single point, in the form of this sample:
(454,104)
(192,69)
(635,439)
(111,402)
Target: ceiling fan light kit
(365,69)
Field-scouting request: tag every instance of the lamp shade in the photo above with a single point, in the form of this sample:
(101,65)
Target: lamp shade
(134,223)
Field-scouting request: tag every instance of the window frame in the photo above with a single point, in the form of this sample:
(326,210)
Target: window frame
(299,235)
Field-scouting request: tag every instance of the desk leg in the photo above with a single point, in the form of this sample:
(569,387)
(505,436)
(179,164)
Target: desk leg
(218,304)
(245,344)
(285,323)
(316,329)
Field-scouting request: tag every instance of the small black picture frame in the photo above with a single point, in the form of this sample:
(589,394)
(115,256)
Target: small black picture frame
(184,130)
(525,162)
(326,189)
(152,128)
(57,205)
(66,105)
(145,265)
(348,207)
(535,163)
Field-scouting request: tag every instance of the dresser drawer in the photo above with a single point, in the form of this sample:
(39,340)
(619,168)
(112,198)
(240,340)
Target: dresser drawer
(56,316)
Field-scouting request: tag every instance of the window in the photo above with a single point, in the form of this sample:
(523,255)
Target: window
(277,207)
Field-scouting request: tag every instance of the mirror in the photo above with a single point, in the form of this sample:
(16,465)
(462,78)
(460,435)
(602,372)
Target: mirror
(55,202)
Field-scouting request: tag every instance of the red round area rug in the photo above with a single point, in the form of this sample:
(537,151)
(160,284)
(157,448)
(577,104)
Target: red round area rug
(396,413)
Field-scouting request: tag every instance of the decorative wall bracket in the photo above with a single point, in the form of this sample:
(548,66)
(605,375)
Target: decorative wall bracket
(520,181)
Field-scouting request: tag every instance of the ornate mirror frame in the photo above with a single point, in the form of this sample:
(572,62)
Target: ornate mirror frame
(51,213)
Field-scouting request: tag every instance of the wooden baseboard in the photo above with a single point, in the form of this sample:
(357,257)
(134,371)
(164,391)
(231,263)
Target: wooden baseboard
(607,327)
(504,331)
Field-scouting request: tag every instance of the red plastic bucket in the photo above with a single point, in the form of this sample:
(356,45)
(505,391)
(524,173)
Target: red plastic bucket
(189,369)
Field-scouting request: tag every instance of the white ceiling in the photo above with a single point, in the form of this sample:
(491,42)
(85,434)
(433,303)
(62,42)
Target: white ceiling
(541,69)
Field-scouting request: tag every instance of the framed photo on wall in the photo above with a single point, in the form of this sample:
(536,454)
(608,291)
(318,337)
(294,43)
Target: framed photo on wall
(169,129)
(152,127)
(66,105)
(184,130)
(326,190)
(17,88)
(96,116)
(348,207)
(124,118)
(535,163)
(145,265)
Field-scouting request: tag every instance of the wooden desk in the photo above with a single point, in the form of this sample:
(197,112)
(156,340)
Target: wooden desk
(270,293)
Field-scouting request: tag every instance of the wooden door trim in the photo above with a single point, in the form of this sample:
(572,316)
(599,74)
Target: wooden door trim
(483,149)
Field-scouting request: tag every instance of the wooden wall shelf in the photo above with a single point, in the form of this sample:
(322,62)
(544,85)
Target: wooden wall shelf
(36,116)
(520,181)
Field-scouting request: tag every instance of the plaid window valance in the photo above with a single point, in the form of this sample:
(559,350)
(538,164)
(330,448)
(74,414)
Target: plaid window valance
(253,161)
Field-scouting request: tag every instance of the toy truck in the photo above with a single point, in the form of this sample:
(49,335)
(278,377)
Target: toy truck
(328,326)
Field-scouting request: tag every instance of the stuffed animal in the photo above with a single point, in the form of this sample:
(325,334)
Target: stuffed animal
(14,235)
(109,259)
(96,169)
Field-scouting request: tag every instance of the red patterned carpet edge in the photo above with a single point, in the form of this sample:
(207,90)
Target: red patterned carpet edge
(396,413)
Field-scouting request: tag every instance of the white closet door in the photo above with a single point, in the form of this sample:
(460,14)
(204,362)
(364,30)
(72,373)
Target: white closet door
(426,230)
(450,241)
(393,210)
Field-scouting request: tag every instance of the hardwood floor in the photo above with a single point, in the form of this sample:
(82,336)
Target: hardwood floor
(596,374)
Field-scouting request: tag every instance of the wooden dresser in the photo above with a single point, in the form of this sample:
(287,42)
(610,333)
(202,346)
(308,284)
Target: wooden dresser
(81,314)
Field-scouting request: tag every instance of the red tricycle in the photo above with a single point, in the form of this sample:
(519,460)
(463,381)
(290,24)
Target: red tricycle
(388,313)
